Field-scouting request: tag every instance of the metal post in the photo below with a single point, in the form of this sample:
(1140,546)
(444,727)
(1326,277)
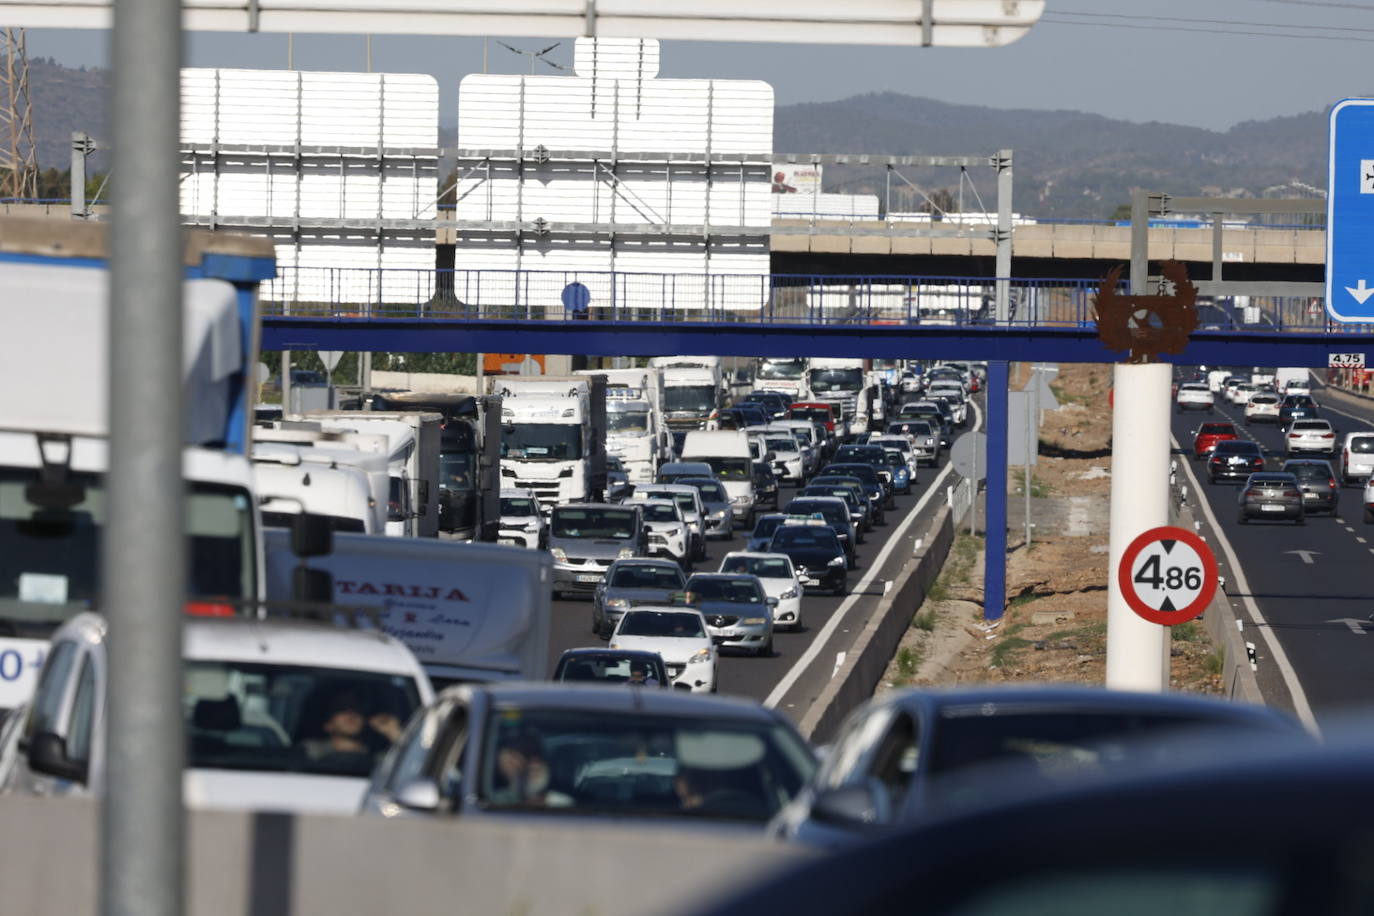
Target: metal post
(286,380)
(1140,242)
(995,524)
(1137,650)
(1004,187)
(1032,415)
(143,574)
(81,147)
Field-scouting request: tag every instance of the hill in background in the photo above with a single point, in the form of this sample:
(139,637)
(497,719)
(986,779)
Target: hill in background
(1068,164)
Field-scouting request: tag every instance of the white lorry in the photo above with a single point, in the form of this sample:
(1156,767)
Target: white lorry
(692,389)
(54,429)
(413,449)
(784,374)
(347,486)
(553,435)
(469,612)
(731,455)
(635,431)
(839,383)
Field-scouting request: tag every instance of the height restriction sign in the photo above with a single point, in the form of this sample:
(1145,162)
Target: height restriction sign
(1168,575)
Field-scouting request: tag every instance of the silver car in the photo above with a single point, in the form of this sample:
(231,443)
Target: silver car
(738,611)
(629,583)
(569,751)
(586,538)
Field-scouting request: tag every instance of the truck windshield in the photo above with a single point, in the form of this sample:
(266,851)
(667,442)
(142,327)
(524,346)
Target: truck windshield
(573,522)
(455,471)
(627,419)
(730,468)
(542,441)
(50,559)
(782,369)
(288,718)
(695,398)
(837,379)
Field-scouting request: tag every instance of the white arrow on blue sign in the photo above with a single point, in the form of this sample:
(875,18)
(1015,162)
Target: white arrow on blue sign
(1350,212)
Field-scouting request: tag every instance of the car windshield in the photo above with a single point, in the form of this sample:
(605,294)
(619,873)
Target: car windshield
(1214,429)
(638,575)
(542,441)
(712,491)
(517,505)
(640,764)
(1309,471)
(829,511)
(735,591)
(627,419)
(50,559)
(1265,399)
(1319,425)
(843,493)
(730,468)
(1362,444)
(614,669)
(612,524)
(1236,447)
(765,527)
(1194,386)
(1273,480)
(660,513)
(1297,400)
(894,458)
(810,413)
(802,435)
(804,537)
(915,428)
(763,567)
(292,718)
(787,445)
(675,624)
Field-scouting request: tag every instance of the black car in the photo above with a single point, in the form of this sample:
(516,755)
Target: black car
(1272,495)
(612,666)
(775,403)
(931,414)
(1234,459)
(835,516)
(860,507)
(1320,490)
(765,486)
(1297,407)
(875,456)
(873,484)
(816,554)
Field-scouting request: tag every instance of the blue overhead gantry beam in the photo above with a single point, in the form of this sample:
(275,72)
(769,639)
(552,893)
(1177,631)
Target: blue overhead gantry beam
(645,338)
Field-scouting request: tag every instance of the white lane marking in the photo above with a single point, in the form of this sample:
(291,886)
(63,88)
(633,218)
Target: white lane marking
(814,650)
(1351,624)
(1290,677)
(840,657)
(1306,555)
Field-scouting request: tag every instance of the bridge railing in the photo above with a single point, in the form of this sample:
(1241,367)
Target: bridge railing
(344,292)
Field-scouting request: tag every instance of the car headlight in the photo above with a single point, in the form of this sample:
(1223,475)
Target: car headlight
(700,655)
(618,603)
(754,621)
(718,514)
(836,561)
(625,554)
(740,500)
(559,554)
(790,593)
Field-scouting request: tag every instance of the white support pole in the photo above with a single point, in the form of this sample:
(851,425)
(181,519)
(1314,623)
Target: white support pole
(1136,658)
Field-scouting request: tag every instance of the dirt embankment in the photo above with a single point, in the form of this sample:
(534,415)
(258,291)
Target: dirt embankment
(1055,626)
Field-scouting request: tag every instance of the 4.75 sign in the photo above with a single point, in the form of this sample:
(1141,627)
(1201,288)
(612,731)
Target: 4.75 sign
(1168,575)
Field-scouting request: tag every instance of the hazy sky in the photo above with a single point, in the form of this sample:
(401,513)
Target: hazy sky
(1126,59)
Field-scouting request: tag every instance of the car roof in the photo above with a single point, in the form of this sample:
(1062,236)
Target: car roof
(1275,476)
(615,698)
(643,561)
(294,642)
(602,651)
(1306,461)
(719,575)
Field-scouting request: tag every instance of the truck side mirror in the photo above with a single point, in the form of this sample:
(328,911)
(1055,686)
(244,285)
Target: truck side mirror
(48,755)
(311,535)
(312,586)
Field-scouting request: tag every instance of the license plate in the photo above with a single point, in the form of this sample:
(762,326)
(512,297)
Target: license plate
(729,634)
(588,577)
(514,542)
(1272,508)
(805,580)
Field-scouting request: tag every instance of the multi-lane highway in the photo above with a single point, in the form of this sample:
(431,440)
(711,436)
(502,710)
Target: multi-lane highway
(1302,591)
(802,661)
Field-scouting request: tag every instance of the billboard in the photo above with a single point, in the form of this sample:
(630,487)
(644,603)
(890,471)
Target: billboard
(793,178)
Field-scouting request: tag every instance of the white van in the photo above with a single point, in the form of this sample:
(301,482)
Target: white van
(731,457)
(1357,458)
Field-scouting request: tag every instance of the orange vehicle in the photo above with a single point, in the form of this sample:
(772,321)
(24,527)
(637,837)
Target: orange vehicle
(811,410)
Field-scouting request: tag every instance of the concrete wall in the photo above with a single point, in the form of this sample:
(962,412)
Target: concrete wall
(243,864)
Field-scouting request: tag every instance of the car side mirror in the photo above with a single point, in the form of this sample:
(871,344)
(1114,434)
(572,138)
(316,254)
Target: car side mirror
(419,795)
(48,755)
(772,602)
(857,805)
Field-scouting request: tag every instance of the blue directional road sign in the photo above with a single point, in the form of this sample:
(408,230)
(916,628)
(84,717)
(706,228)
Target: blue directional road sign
(1350,212)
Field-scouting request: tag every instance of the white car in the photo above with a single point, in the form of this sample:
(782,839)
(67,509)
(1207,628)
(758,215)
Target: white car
(1194,396)
(281,715)
(902,444)
(669,534)
(1263,405)
(788,461)
(523,521)
(779,580)
(679,636)
(688,499)
(1239,394)
(1308,436)
(1298,386)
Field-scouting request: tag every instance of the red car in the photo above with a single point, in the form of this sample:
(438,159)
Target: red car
(808,410)
(1209,434)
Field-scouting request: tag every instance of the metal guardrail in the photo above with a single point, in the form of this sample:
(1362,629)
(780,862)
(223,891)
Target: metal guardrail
(330,292)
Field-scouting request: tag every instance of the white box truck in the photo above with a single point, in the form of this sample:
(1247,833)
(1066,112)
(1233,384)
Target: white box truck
(553,435)
(635,430)
(469,612)
(692,389)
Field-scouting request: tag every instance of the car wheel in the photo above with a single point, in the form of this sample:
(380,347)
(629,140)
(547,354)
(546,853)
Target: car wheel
(767,650)
(1368,517)
(1301,519)
(1242,518)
